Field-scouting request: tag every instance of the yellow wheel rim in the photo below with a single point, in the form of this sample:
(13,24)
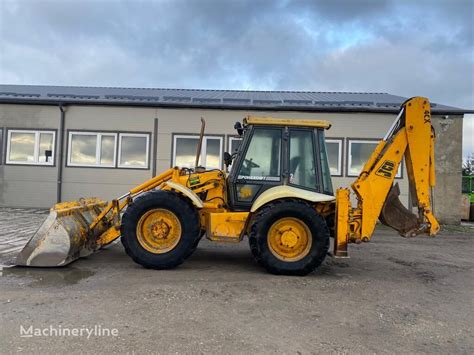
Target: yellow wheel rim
(289,239)
(159,231)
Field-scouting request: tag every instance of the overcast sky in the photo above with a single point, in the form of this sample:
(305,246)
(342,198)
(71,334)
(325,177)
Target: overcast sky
(401,47)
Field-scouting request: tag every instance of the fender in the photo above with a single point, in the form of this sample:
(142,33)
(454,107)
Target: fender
(186,192)
(285,191)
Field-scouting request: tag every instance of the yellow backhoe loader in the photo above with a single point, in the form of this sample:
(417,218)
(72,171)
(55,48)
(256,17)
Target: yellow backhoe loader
(278,194)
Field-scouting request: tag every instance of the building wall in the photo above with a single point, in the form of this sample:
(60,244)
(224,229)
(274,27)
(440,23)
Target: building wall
(105,183)
(448,156)
(29,186)
(33,186)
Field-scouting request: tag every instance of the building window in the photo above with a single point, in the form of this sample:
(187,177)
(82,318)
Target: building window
(359,151)
(233,144)
(334,151)
(92,149)
(133,150)
(185,147)
(30,147)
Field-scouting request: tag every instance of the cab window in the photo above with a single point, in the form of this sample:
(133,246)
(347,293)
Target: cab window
(302,160)
(325,171)
(262,161)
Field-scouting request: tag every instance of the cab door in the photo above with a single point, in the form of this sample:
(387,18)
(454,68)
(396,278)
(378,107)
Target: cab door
(308,166)
(302,163)
(258,166)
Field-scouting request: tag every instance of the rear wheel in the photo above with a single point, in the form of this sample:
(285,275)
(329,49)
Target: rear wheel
(160,230)
(288,237)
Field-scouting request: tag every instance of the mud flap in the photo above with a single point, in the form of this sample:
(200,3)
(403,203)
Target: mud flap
(397,216)
(65,235)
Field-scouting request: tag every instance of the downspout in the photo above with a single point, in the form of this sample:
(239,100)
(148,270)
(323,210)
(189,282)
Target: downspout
(60,151)
(155,148)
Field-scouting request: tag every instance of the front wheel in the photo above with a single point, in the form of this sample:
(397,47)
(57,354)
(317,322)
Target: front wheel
(288,237)
(160,230)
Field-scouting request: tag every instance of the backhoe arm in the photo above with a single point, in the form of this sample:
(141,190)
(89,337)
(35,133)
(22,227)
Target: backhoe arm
(411,136)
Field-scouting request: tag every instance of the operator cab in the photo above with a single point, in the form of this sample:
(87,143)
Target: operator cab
(277,152)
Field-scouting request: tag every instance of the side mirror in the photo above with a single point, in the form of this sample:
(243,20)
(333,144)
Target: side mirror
(239,128)
(227,159)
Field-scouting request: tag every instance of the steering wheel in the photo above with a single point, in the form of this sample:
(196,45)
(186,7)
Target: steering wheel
(250,164)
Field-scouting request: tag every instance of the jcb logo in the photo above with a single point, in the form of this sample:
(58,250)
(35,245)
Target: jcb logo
(386,170)
(427,117)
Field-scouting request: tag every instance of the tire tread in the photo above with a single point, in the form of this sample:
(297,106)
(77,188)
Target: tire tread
(272,264)
(153,199)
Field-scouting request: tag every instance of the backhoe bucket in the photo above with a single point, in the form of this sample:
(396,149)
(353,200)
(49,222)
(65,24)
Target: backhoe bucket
(65,235)
(397,216)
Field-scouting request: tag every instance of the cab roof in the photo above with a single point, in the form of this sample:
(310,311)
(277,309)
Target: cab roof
(270,121)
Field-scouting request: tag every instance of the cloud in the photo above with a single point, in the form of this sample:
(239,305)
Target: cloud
(401,47)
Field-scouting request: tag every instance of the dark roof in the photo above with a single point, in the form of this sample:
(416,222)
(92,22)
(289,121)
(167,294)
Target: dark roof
(226,99)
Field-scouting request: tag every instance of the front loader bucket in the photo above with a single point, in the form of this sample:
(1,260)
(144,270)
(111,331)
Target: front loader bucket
(65,235)
(397,216)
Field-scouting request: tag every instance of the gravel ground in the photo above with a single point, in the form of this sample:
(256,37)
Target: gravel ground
(393,295)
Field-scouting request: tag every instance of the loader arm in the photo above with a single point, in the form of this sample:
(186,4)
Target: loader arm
(411,136)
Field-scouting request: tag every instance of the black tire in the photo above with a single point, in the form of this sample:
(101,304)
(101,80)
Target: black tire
(196,243)
(182,209)
(302,211)
(331,223)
